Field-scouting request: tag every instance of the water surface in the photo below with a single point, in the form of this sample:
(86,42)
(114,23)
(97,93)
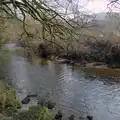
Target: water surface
(73,92)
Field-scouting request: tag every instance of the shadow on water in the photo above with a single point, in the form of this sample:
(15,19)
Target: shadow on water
(74,91)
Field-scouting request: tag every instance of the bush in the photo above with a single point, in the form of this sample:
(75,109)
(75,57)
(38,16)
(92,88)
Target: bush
(9,106)
(107,51)
(5,118)
(34,113)
(8,101)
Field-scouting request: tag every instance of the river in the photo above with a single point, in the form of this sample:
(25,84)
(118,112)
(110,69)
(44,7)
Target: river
(73,92)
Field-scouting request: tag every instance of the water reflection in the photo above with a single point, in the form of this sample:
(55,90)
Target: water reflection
(74,92)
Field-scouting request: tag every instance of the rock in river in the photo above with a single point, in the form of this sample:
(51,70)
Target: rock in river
(26,100)
(89,117)
(58,116)
(72,117)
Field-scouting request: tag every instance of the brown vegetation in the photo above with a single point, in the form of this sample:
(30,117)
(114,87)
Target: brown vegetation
(89,49)
(60,39)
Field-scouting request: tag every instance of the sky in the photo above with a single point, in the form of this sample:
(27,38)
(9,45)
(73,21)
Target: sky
(93,6)
(97,6)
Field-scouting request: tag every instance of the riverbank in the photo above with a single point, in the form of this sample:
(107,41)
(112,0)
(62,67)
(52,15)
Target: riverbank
(9,104)
(71,90)
(10,107)
(105,53)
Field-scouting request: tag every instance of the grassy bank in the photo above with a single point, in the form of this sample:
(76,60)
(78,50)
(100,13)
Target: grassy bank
(10,105)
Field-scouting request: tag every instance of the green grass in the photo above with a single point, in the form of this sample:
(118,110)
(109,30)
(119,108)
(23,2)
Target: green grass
(9,104)
(34,113)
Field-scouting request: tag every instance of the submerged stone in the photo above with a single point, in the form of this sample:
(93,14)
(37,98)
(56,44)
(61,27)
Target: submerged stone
(72,117)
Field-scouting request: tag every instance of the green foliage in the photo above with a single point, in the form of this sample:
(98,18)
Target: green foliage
(8,101)
(46,103)
(9,106)
(1,41)
(4,56)
(35,113)
(5,118)
(3,52)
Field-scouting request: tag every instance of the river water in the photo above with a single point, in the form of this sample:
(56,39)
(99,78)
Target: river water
(73,92)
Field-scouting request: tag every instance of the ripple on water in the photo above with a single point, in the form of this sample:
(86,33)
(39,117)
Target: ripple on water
(74,92)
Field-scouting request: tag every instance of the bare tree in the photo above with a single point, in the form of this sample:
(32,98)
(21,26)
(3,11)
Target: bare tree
(114,4)
(58,18)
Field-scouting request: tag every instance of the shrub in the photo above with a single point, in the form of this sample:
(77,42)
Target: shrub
(34,113)
(2,117)
(8,101)
(107,51)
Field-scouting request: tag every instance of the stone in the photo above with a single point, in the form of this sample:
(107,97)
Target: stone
(50,105)
(58,116)
(72,117)
(89,117)
(26,100)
